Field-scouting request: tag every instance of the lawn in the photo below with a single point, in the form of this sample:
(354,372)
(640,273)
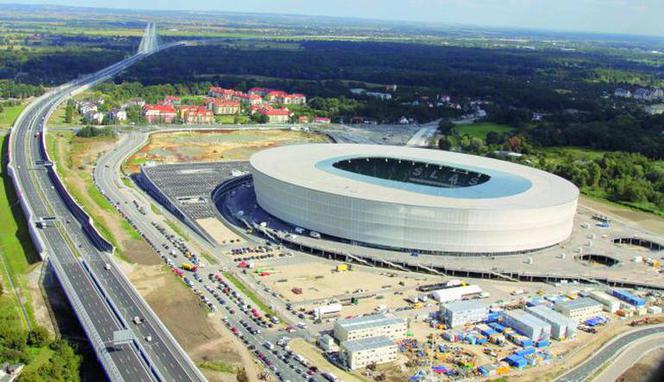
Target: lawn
(9,115)
(480,130)
(575,153)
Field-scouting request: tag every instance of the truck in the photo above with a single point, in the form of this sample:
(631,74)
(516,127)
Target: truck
(189,267)
(137,320)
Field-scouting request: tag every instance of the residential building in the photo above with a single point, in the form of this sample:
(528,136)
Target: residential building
(623,93)
(171,100)
(275,115)
(370,326)
(561,326)
(223,107)
(580,309)
(259,91)
(217,92)
(324,120)
(459,313)
(276,96)
(655,109)
(526,324)
(295,99)
(610,303)
(379,95)
(196,115)
(303,119)
(117,115)
(159,113)
(364,352)
(94,116)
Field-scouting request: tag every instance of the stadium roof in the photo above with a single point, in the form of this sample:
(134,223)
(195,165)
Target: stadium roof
(313,166)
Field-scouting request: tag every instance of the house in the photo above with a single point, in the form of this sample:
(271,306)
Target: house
(276,96)
(295,99)
(217,92)
(159,113)
(324,120)
(303,119)
(117,115)
(94,116)
(655,109)
(223,107)
(259,91)
(623,93)
(275,115)
(135,102)
(171,100)
(379,95)
(196,115)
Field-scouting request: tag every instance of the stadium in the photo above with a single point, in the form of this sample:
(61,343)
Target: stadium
(412,199)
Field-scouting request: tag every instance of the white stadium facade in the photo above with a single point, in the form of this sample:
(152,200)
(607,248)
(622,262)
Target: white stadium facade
(414,199)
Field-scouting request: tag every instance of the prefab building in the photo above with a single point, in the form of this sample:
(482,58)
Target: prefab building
(561,326)
(375,350)
(580,309)
(456,293)
(610,303)
(526,324)
(628,297)
(374,325)
(459,313)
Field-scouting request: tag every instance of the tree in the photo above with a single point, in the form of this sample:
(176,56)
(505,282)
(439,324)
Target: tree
(69,112)
(446,127)
(445,143)
(38,336)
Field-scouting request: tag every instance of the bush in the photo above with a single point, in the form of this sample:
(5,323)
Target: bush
(38,336)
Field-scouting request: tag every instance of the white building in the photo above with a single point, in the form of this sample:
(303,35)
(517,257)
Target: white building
(561,326)
(376,325)
(526,324)
(456,294)
(361,353)
(459,313)
(580,309)
(409,199)
(327,343)
(610,303)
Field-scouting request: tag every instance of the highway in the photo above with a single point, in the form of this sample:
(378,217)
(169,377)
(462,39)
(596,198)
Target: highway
(108,178)
(609,352)
(101,296)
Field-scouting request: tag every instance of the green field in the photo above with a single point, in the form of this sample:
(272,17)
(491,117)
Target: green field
(480,130)
(9,115)
(575,153)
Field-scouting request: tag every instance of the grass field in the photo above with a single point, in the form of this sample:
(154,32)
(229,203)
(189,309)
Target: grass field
(575,153)
(9,115)
(480,130)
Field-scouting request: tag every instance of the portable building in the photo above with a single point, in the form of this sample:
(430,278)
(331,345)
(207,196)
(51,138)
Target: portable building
(527,324)
(628,297)
(459,313)
(561,326)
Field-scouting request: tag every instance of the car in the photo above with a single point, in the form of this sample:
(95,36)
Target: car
(107,266)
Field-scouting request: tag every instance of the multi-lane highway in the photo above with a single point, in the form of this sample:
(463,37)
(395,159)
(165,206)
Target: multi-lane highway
(134,205)
(103,299)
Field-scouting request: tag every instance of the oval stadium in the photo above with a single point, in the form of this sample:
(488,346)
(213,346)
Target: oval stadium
(413,199)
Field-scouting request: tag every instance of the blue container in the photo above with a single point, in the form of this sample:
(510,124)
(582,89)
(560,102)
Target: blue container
(516,361)
(493,317)
(526,342)
(543,343)
(497,327)
(526,351)
(481,340)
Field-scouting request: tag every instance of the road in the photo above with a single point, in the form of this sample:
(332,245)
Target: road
(101,296)
(153,227)
(424,135)
(630,356)
(609,351)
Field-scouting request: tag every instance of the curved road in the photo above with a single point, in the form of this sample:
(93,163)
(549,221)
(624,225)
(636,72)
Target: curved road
(101,296)
(609,351)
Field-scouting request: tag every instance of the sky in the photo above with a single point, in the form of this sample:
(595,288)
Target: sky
(642,17)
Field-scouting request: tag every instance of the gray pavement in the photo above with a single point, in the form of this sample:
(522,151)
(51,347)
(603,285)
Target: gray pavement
(103,299)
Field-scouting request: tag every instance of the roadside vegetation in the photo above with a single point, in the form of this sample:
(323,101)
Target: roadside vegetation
(22,339)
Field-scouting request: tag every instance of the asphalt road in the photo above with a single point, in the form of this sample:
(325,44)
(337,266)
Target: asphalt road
(108,177)
(94,291)
(608,353)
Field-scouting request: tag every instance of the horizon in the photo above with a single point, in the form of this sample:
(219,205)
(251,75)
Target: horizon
(509,14)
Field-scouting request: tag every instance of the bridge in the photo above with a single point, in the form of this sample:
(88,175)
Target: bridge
(130,341)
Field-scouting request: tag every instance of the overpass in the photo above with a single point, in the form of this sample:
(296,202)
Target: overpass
(130,341)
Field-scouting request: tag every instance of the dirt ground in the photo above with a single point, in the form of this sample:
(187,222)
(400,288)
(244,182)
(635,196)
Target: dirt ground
(219,232)
(80,154)
(194,146)
(40,306)
(320,281)
(649,368)
(201,335)
(650,222)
